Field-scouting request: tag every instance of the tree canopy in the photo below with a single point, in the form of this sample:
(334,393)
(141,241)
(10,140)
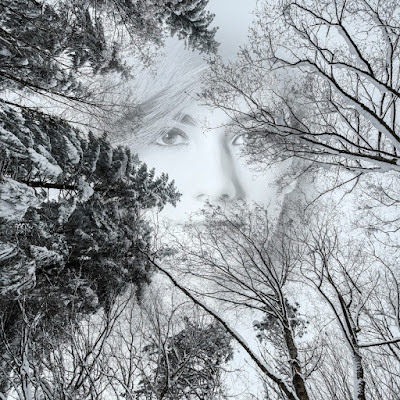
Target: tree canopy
(72,207)
(320,81)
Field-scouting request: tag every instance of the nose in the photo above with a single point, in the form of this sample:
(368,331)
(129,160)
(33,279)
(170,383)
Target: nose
(218,180)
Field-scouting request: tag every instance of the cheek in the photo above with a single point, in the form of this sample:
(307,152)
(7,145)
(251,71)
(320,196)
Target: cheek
(256,186)
(183,165)
(261,186)
(178,163)
(160,159)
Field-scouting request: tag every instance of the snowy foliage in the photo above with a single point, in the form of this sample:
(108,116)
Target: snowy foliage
(71,206)
(74,253)
(187,365)
(44,43)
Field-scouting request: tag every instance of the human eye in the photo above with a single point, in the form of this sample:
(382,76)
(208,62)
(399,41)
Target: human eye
(240,139)
(172,137)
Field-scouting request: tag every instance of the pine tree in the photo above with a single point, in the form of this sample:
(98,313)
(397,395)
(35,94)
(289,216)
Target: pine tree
(44,44)
(189,21)
(74,253)
(190,364)
(71,208)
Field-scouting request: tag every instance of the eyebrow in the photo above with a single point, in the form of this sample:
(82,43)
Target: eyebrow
(185,119)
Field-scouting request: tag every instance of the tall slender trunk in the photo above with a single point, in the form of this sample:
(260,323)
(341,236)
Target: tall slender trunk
(359,382)
(297,376)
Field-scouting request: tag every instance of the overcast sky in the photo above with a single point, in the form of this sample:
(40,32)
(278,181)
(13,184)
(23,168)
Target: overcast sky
(233,18)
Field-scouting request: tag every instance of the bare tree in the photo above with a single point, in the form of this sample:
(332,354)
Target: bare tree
(361,290)
(184,353)
(71,364)
(321,82)
(347,347)
(232,259)
(147,351)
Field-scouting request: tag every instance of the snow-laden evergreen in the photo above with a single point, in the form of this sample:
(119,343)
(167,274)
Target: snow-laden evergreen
(74,252)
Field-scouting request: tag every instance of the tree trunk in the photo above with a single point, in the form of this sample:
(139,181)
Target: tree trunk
(359,383)
(297,376)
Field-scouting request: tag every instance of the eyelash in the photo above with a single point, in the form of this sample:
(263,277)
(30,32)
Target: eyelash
(185,140)
(238,136)
(178,133)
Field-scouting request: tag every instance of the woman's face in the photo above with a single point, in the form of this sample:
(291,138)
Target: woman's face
(200,151)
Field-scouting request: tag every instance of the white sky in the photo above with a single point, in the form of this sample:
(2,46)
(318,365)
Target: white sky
(233,17)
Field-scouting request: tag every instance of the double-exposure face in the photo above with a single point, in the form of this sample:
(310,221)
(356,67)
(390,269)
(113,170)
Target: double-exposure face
(202,152)
(198,147)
